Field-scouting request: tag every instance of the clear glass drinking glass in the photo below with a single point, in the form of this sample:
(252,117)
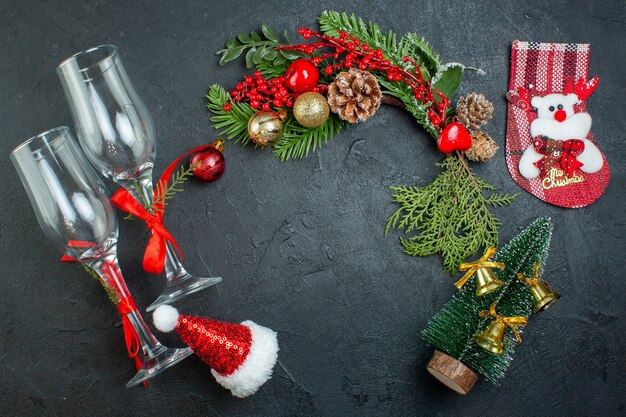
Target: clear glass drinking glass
(116,133)
(75,213)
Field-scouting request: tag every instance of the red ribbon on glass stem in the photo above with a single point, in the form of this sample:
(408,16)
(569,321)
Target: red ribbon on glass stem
(125,306)
(155,254)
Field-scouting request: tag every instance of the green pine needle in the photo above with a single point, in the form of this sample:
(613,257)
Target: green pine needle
(271,70)
(164,191)
(449,216)
(234,123)
(447,76)
(297,141)
(110,291)
(453,328)
(411,44)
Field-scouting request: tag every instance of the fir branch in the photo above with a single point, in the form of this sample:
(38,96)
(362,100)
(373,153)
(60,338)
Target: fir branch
(272,70)
(410,44)
(110,291)
(297,141)
(165,192)
(233,123)
(445,77)
(331,22)
(453,328)
(448,216)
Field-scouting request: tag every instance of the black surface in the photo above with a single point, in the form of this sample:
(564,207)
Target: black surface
(300,244)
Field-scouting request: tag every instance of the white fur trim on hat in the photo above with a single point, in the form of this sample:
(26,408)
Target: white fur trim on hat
(257,367)
(165,318)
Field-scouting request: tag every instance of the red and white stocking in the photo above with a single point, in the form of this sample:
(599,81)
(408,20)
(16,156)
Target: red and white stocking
(550,151)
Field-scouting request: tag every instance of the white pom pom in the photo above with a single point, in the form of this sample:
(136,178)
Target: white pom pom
(165,318)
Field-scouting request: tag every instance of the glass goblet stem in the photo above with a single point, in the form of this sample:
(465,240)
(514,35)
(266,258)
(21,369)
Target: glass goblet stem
(179,282)
(156,357)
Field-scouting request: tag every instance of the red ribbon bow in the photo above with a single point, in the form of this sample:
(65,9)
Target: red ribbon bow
(154,256)
(557,151)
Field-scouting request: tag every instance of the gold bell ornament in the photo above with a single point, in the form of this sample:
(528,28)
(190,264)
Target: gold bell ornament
(543,295)
(485,278)
(492,338)
(266,127)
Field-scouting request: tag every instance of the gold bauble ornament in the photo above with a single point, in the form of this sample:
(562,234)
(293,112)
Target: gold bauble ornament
(266,127)
(311,109)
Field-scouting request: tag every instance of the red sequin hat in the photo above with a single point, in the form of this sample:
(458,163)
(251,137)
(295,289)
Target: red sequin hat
(241,356)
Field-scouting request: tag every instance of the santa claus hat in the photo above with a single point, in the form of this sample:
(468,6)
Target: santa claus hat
(241,356)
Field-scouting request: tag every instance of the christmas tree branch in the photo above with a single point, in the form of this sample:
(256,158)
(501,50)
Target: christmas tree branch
(448,216)
(233,123)
(297,141)
(110,291)
(165,192)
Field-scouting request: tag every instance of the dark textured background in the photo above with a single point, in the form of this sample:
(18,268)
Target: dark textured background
(300,244)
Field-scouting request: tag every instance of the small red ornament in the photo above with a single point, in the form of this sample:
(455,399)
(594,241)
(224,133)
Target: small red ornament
(211,162)
(301,76)
(454,137)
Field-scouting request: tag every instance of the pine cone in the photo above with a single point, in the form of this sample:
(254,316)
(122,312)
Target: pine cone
(483,147)
(354,95)
(473,110)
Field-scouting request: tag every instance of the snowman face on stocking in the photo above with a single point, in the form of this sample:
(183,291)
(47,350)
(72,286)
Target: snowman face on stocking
(551,152)
(556,118)
(560,137)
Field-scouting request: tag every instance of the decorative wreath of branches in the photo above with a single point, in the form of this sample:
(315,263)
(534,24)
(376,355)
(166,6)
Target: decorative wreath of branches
(449,216)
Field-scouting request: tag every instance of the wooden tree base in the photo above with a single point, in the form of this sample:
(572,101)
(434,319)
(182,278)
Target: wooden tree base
(452,373)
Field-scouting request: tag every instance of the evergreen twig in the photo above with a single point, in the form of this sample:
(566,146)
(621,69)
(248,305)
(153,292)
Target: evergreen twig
(110,291)
(164,192)
(234,123)
(298,141)
(449,216)
(444,77)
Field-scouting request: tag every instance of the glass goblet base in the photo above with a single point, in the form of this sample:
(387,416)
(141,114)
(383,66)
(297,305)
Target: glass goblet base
(153,366)
(181,287)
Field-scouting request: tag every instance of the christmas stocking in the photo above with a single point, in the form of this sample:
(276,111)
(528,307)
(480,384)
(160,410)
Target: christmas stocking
(550,151)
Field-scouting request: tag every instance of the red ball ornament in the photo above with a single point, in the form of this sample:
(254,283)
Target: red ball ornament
(301,76)
(454,137)
(211,162)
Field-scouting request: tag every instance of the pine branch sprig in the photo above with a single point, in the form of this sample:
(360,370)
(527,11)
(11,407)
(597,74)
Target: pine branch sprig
(165,191)
(445,78)
(233,123)
(448,216)
(110,291)
(410,44)
(297,141)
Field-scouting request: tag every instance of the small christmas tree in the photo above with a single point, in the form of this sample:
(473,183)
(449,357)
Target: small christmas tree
(453,330)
